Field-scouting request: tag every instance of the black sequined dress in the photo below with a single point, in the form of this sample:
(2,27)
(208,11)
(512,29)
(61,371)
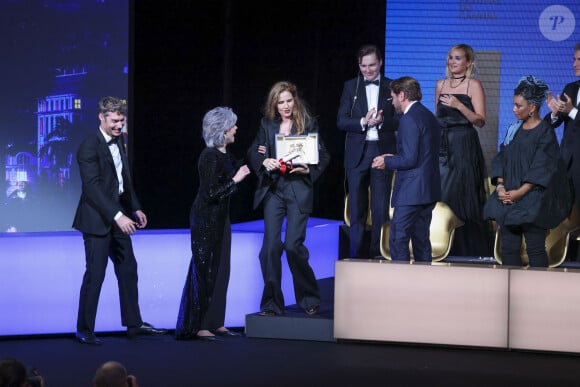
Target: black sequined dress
(463,174)
(203,301)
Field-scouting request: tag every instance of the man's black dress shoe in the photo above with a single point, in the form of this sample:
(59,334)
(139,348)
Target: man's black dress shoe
(144,329)
(88,338)
(312,310)
(227,333)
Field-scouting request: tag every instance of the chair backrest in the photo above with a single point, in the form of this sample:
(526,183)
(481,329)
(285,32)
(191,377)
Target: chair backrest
(557,241)
(441,233)
(369,221)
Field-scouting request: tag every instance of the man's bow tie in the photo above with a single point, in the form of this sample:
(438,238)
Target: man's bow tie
(112,141)
(375,82)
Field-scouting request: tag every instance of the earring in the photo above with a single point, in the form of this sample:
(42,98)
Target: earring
(531,114)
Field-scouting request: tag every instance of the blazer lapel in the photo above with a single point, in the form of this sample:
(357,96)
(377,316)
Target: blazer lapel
(105,150)
(384,93)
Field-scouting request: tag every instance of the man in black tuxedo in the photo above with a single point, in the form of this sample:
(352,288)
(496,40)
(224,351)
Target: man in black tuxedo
(107,195)
(565,108)
(370,122)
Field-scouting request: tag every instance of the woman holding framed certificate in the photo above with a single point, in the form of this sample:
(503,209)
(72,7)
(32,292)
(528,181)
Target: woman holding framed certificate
(285,190)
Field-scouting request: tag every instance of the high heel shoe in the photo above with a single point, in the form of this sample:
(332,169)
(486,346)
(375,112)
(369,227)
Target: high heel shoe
(226,333)
(209,338)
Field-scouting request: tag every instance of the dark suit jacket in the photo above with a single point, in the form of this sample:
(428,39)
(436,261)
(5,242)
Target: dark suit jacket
(100,200)
(570,145)
(301,184)
(417,158)
(353,106)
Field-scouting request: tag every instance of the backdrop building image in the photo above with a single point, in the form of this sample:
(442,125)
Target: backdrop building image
(62,60)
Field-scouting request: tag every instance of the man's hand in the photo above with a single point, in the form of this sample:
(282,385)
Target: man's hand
(127,225)
(553,104)
(379,161)
(566,105)
(140,218)
(374,118)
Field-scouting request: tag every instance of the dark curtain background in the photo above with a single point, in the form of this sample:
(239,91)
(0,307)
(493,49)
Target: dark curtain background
(188,57)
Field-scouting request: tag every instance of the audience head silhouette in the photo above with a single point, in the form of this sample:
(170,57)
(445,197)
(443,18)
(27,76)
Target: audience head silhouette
(12,373)
(113,374)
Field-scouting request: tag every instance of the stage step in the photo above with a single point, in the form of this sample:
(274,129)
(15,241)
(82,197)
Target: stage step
(294,324)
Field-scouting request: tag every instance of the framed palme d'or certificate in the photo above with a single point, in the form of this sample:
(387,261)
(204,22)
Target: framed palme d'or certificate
(298,149)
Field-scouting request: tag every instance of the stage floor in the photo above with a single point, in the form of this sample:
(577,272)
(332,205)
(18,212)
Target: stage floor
(163,361)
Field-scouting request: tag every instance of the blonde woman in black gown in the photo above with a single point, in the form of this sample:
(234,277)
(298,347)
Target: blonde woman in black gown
(460,106)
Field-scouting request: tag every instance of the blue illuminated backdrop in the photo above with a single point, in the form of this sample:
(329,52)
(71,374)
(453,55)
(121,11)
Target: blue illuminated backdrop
(511,39)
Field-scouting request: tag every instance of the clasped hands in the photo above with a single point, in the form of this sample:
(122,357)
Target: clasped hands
(508,197)
(374,118)
(559,104)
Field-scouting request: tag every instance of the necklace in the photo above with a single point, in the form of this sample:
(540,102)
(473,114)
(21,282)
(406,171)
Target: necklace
(459,83)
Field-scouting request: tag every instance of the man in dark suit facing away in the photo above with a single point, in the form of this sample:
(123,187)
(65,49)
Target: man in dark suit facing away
(417,182)
(107,200)
(367,116)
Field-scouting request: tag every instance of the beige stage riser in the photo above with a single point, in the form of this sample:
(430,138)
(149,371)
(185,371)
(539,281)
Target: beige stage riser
(545,310)
(454,304)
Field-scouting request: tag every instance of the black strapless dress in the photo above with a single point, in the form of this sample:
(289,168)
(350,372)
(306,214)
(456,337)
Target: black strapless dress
(463,175)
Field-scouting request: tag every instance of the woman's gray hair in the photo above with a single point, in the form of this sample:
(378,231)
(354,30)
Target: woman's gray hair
(215,123)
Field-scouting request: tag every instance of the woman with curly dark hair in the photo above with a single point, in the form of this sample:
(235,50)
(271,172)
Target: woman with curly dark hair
(532,191)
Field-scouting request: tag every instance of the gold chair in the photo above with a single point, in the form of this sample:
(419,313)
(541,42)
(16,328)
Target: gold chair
(441,233)
(557,241)
(368,223)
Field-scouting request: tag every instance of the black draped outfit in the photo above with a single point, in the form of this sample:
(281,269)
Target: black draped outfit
(463,174)
(203,302)
(532,156)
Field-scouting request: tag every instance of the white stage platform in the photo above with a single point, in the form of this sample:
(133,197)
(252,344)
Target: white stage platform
(42,272)
(457,304)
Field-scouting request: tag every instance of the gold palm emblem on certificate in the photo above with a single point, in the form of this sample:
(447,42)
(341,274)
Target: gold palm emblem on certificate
(299,149)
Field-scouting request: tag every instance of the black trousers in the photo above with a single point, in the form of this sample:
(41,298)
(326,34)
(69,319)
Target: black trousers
(98,249)
(511,243)
(279,204)
(359,180)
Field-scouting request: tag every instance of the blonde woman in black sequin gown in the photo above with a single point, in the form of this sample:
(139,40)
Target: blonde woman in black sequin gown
(203,302)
